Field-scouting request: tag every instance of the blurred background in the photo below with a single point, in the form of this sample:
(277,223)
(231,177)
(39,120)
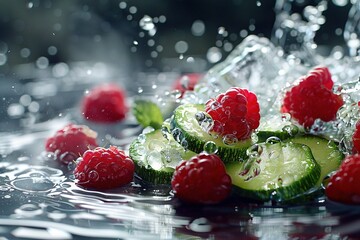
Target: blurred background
(52,51)
(143,36)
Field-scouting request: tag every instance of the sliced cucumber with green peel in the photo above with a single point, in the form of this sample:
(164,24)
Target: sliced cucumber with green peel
(279,172)
(325,152)
(156,157)
(276,126)
(188,132)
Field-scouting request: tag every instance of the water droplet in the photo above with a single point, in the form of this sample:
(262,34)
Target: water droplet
(291,129)
(93,175)
(42,62)
(213,55)
(254,151)
(273,140)
(198,28)
(210,147)
(286,117)
(229,139)
(181,47)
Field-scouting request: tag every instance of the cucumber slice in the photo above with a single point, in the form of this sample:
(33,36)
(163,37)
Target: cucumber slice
(156,157)
(280,172)
(187,131)
(325,152)
(277,126)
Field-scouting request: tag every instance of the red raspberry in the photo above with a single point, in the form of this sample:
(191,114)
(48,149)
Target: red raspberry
(202,179)
(187,82)
(344,184)
(105,104)
(312,98)
(71,142)
(356,138)
(103,168)
(235,112)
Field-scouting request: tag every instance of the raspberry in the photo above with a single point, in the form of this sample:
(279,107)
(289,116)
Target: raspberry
(235,112)
(105,104)
(202,179)
(103,168)
(187,82)
(71,142)
(312,98)
(356,138)
(344,184)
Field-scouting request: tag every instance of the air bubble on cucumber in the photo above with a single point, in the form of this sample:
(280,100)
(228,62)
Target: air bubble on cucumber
(276,172)
(156,155)
(325,152)
(190,126)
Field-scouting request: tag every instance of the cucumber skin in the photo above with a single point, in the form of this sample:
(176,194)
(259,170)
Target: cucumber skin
(306,137)
(263,135)
(227,154)
(149,174)
(153,176)
(283,194)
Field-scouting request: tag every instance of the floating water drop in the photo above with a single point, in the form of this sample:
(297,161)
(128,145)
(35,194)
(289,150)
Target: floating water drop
(214,55)
(198,28)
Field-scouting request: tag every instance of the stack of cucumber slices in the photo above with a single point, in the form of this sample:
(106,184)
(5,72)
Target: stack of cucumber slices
(280,162)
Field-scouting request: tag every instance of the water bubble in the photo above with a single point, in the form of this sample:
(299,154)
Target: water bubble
(285,117)
(198,28)
(184,143)
(132,9)
(162,19)
(42,62)
(291,129)
(254,151)
(340,3)
(34,107)
(60,70)
(250,168)
(122,5)
(52,50)
(200,116)
(30,5)
(93,175)
(213,55)
(210,147)
(25,100)
(273,140)
(181,47)
(15,110)
(3,59)
(25,52)
(177,134)
(229,139)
